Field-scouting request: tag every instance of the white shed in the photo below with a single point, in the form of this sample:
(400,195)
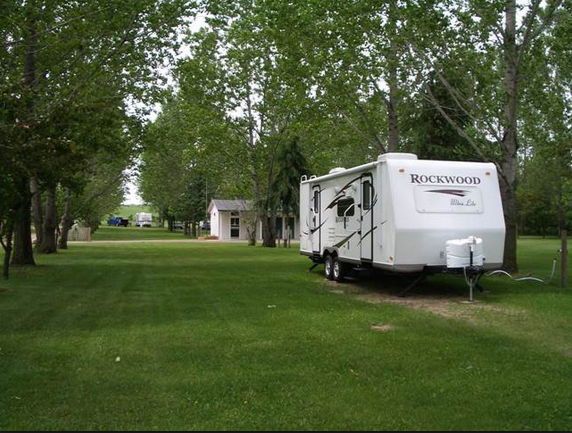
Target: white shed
(229,219)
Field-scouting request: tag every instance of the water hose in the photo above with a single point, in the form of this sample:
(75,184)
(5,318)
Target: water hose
(533,279)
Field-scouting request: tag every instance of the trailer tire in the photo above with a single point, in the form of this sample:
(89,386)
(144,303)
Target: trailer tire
(339,270)
(329,267)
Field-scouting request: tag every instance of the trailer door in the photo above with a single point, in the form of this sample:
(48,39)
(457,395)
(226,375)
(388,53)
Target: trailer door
(316,226)
(368,199)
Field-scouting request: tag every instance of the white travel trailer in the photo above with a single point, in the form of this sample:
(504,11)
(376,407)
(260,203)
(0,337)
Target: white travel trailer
(404,215)
(144,220)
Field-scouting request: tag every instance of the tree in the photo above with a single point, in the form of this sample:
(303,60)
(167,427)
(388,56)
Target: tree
(175,177)
(7,206)
(427,132)
(237,92)
(355,59)
(191,206)
(291,166)
(547,132)
(60,60)
(100,188)
(488,33)
(542,205)
(167,154)
(102,193)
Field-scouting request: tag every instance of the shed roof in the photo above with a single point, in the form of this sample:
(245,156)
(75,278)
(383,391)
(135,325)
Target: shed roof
(231,205)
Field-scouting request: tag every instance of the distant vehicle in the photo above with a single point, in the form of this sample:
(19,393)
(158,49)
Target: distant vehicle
(113,221)
(117,222)
(205,225)
(178,225)
(143,220)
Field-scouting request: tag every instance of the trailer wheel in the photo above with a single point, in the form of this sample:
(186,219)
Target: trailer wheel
(329,267)
(340,270)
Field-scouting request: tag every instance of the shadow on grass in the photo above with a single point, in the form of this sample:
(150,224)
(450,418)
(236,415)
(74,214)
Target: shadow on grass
(444,286)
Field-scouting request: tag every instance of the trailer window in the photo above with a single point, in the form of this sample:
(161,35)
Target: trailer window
(366,202)
(316,201)
(346,207)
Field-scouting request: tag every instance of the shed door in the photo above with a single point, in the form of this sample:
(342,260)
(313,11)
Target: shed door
(316,226)
(235,227)
(368,199)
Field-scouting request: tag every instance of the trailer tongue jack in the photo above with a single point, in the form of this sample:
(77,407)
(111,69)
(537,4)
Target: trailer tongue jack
(472,277)
(467,256)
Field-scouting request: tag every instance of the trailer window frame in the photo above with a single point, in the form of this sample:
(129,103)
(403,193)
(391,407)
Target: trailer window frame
(346,207)
(367,195)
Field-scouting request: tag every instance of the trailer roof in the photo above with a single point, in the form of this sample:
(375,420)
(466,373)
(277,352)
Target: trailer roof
(364,167)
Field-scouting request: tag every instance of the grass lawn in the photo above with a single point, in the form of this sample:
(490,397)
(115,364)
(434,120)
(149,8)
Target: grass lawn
(135,233)
(213,336)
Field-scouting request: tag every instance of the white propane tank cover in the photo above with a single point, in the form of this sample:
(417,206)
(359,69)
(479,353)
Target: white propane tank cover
(459,253)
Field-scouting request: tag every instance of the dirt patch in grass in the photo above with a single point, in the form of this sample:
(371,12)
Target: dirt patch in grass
(337,292)
(382,328)
(446,304)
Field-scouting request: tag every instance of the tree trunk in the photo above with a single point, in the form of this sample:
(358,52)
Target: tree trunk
(392,115)
(194,230)
(286,234)
(7,251)
(37,215)
(49,241)
(510,141)
(393,82)
(268,237)
(510,248)
(66,222)
(23,248)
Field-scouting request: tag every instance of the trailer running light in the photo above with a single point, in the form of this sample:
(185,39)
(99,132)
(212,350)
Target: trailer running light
(402,170)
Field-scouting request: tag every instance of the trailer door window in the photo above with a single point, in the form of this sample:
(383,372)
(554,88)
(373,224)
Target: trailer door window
(366,201)
(346,207)
(316,201)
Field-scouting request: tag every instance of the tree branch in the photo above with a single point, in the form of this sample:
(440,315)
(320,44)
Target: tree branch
(367,120)
(460,131)
(358,130)
(457,96)
(500,33)
(529,35)
(65,23)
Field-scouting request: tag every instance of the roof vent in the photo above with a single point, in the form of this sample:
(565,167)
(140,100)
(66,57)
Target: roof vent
(398,156)
(337,170)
